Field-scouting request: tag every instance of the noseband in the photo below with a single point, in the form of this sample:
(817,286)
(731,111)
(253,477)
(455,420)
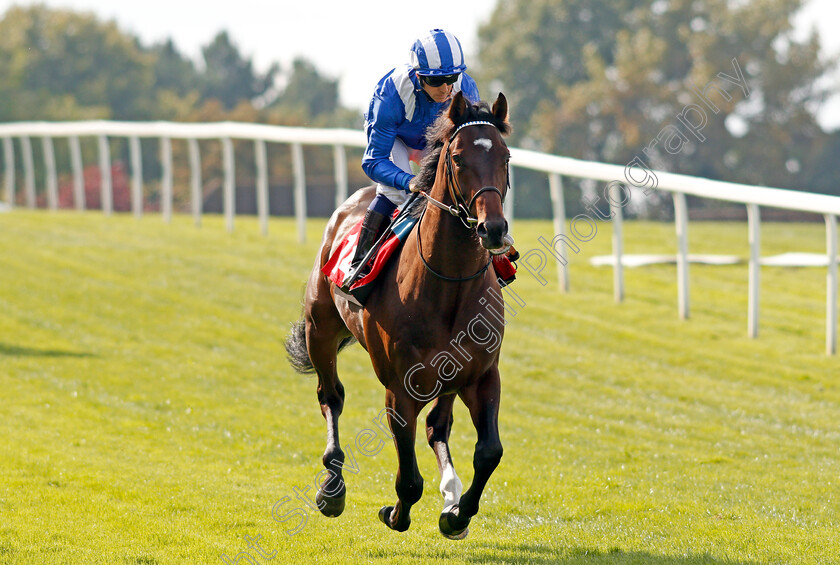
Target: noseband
(462,209)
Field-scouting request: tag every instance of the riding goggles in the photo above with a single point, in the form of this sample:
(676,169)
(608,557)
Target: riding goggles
(436,81)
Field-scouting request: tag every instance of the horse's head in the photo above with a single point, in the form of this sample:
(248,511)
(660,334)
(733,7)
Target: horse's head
(476,161)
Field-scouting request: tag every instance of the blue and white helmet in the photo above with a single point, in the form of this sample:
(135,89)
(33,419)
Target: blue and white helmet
(437,54)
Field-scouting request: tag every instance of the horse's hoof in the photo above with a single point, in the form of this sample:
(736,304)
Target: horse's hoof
(452,526)
(464,533)
(385,515)
(330,506)
(385,518)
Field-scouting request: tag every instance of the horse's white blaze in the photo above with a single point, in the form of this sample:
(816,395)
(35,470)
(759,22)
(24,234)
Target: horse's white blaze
(450,486)
(484,142)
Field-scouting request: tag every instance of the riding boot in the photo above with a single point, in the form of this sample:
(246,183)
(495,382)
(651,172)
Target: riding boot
(372,227)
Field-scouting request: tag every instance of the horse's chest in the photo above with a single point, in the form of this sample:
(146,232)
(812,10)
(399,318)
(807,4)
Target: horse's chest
(452,354)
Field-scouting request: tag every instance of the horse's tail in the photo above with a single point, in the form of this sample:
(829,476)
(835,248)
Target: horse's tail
(296,348)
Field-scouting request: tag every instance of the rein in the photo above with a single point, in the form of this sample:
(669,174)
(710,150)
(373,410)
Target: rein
(438,275)
(461,208)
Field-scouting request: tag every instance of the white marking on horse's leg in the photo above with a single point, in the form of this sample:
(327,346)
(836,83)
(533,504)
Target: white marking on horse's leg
(450,487)
(484,142)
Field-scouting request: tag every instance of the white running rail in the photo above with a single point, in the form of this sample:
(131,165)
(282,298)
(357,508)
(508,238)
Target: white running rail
(556,167)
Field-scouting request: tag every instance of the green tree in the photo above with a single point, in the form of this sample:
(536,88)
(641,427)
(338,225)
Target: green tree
(545,48)
(172,70)
(600,80)
(311,99)
(308,92)
(63,65)
(229,77)
(58,64)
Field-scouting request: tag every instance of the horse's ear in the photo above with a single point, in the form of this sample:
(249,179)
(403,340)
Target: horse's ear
(458,107)
(500,108)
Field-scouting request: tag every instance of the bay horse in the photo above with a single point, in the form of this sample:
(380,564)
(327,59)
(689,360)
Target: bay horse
(416,321)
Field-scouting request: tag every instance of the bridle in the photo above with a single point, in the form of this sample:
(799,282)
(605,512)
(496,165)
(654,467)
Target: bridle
(461,209)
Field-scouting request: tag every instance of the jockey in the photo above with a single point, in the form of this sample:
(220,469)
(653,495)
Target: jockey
(407,101)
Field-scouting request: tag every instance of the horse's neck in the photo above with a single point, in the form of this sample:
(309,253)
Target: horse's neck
(448,246)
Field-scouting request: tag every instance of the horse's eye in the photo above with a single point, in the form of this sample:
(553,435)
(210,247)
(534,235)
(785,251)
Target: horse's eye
(458,160)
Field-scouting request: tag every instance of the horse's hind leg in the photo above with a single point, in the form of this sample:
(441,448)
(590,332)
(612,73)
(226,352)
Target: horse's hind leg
(324,332)
(482,399)
(438,426)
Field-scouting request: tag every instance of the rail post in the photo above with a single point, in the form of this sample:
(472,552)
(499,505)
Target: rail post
(78,173)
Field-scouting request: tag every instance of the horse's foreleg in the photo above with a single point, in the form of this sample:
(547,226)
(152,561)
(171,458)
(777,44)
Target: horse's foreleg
(402,417)
(322,339)
(482,399)
(438,427)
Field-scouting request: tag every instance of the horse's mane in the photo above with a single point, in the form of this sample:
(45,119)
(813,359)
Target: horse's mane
(441,130)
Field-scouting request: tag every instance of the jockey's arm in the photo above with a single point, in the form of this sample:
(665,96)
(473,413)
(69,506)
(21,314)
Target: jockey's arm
(381,133)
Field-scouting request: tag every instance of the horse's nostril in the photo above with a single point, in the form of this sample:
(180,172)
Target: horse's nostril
(495,229)
(492,233)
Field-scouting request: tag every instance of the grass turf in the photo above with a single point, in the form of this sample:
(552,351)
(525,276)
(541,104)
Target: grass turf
(149,415)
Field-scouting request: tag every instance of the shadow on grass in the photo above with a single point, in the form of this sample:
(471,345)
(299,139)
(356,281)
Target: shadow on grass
(543,555)
(18,351)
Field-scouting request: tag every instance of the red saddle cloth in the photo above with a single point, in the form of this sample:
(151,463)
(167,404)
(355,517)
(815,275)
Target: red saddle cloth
(338,265)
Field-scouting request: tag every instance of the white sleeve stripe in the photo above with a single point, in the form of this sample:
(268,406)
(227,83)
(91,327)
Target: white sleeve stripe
(405,88)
